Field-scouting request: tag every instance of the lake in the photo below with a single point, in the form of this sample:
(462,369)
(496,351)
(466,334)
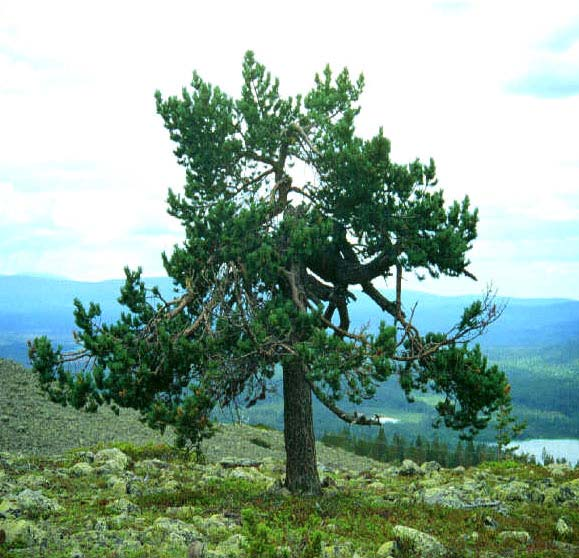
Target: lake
(569,449)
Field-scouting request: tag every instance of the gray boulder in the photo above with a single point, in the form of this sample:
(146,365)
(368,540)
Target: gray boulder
(111,460)
(418,544)
(409,468)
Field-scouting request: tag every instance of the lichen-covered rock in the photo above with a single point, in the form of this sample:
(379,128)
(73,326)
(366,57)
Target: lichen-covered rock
(447,496)
(151,468)
(568,548)
(111,460)
(170,485)
(215,528)
(232,547)
(81,469)
(86,456)
(409,468)
(569,492)
(174,531)
(33,504)
(9,508)
(197,549)
(418,544)
(33,480)
(22,532)
(277,488)
(514,491)
(430,467)
(234,463)
(559,469)
(376,486)
(387,550)
(563,529)
(210,478)
(124,506)
(515,536)
(340,550)
(117,485)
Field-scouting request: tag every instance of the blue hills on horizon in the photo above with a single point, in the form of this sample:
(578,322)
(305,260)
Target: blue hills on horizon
(536,341)
(39,305)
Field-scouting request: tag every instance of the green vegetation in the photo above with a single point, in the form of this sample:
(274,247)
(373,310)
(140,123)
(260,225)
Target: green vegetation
(545,387)
(161,500)
(151,501)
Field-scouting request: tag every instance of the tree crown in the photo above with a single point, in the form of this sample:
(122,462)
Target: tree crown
(266,271)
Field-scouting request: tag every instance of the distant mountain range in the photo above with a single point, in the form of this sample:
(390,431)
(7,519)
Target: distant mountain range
(38,304)
(536,341)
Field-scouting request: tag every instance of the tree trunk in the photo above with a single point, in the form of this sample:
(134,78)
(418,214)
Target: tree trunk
(300,444)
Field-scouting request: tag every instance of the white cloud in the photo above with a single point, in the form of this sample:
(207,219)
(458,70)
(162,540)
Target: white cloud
(80,141)
(18,208)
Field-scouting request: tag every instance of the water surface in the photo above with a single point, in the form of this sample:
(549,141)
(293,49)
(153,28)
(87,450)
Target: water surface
(568,449)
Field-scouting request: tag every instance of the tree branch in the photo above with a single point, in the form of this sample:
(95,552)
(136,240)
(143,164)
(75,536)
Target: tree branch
(385,304)
(350,418)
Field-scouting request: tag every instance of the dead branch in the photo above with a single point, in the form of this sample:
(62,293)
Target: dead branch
(350,418)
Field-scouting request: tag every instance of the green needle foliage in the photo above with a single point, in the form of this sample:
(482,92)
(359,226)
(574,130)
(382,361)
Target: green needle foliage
(265,273)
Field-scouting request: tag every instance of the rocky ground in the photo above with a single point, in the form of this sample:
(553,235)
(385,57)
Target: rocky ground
(149,501)
(141,498)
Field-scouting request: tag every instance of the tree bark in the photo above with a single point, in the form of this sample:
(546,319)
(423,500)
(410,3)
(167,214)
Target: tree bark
(300,444)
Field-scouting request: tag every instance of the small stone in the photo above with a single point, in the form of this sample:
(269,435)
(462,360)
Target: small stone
(386,550)
(409,468)
(430,466)
(81,470)
(197,549)
(111,460)
(515,536)
(418,544)
(34,504)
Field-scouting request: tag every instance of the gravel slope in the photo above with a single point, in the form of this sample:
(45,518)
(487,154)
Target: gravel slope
(31,424)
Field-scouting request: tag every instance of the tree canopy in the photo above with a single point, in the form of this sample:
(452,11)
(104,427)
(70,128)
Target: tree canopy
(265,275)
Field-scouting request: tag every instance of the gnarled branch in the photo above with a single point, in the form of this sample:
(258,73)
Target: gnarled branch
(350,418)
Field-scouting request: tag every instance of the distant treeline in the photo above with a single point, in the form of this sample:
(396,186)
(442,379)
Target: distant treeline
(420,450)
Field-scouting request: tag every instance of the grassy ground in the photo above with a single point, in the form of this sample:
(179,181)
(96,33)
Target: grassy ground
(121,514)
(155,508)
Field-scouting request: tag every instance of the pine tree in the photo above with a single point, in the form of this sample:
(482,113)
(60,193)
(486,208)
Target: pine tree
(380,448)
(265,275)
(507,427)
(419,450)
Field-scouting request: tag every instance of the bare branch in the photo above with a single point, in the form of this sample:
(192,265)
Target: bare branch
(469,275)
(350,418)
(385,304)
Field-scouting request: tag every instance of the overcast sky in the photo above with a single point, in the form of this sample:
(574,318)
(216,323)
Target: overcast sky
(489,89)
